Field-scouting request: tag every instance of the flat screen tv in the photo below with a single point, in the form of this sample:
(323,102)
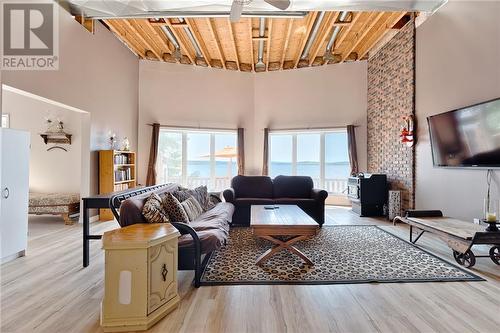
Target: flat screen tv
(467,137)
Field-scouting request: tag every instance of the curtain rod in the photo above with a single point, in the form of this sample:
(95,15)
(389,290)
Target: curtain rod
(197,127)
(309,128)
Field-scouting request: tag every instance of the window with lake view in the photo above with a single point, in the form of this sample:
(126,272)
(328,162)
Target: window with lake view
(197,157)
(322,155)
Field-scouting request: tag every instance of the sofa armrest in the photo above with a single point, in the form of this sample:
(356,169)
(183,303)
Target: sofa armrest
(229,195)
(319,195)
(186,229)
(215,197)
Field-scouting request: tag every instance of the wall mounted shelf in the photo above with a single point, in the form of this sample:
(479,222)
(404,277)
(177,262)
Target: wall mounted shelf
(57,138)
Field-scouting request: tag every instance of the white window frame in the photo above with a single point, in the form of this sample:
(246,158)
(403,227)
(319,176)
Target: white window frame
(184,144)
(322,157)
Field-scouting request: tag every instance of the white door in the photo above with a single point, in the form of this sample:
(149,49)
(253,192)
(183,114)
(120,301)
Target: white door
(14,192)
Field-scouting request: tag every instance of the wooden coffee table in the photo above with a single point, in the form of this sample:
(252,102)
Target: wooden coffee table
(284,220)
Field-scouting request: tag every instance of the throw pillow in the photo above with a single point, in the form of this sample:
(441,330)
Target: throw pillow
(153,211)
(192,208)
(182,195)
(200,194)
(174,209)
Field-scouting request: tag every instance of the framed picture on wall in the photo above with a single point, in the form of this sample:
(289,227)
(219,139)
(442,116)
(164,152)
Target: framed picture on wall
(6,120)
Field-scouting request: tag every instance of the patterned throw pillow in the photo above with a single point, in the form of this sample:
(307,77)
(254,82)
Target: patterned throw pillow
(200,194)
(174,209)
(182,195)
(153,210)
(192,208)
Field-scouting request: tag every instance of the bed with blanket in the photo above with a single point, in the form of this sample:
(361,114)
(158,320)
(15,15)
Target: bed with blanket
(65,204)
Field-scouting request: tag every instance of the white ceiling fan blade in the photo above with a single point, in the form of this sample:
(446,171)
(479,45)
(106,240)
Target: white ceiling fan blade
(280,4)
(236,10)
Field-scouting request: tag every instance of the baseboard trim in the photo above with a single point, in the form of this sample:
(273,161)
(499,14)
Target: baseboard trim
(13,257)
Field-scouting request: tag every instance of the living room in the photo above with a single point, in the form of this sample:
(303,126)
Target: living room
(224,116)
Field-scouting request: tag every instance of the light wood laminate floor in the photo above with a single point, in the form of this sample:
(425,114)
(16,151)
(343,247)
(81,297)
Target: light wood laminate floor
(49,291)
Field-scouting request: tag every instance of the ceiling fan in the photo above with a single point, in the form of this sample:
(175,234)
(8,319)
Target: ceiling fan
(237,7)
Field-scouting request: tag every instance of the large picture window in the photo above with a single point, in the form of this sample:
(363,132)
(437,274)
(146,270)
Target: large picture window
(322,155)
(197,157)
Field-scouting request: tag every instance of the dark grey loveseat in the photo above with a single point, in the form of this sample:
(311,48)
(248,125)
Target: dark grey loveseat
(282,190)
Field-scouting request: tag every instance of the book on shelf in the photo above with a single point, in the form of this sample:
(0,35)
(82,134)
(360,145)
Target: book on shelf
(121,159)
(116,173)
(123,174)
(121,187)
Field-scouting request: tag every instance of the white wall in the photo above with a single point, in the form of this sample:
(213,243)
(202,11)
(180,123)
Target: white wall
(55,170)
(457,64)
(189,96)
(329,96)
(98,74)
(176,95)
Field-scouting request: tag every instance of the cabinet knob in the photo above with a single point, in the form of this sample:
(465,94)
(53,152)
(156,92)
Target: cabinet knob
(6,192)
(164,272)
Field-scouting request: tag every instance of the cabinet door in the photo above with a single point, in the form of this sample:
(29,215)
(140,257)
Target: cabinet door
(162,285)
(14,191)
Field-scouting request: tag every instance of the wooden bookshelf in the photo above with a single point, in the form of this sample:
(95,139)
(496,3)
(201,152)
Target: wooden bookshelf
(117,172)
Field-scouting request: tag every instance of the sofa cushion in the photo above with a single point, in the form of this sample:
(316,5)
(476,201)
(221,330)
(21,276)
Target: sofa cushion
(218,217)
(253,201)
(153,210)
(294,201)
(131,209)
(292,187)
(210,240)
(212,228)
(252,187)
(174,209)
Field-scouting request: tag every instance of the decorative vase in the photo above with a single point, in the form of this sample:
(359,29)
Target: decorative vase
(125,144)
(112,140)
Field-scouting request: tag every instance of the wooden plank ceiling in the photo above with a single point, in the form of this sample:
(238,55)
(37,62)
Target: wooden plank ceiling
(234,46)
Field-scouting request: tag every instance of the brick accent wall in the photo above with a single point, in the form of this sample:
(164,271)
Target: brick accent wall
(391,95)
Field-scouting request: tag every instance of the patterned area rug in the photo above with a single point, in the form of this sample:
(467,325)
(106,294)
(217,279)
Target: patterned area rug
(341,254)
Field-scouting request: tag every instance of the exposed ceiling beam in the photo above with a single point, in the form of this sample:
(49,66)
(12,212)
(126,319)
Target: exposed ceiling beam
(310,24)
(213,33)
(268,46)
(322,35)
(287,40)
(233,41)
(363,31)
(142,39)
(182,42)
(346,29)
(250,31)
(380,32)
(203,41)
(113,26)
(198,39)
(156,36)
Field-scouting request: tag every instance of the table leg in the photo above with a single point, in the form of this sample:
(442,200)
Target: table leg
(86,231)
(283,245)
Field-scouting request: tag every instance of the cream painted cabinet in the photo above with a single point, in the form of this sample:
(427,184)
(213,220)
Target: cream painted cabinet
(140,276)
(162,284)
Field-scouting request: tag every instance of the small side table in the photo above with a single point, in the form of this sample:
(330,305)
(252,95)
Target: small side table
(140,276)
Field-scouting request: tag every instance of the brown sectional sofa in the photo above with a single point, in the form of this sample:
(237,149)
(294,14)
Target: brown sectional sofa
(200,237)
